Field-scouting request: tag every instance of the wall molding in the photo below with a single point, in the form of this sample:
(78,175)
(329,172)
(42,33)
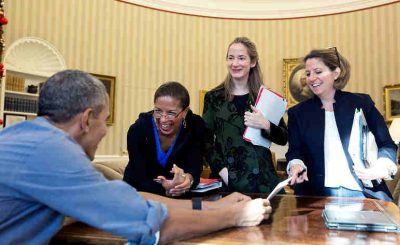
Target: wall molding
(257,9)
(34,55)
(110,158)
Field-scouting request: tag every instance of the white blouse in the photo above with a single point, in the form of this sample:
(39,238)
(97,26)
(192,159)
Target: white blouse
(337,172)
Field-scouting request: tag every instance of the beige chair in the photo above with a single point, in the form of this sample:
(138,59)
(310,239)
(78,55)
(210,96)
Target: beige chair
(112,170)
(108,172)
(206,172)
(394,187)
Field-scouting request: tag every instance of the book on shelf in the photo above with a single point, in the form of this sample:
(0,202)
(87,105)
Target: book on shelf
(207,185)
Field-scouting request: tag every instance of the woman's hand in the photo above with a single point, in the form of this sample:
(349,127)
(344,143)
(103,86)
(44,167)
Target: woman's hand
(183,187)
(256,119)
(180,184)
(375,172)
(298,173)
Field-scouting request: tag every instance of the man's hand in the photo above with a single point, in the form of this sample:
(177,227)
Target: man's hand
(252,212)
(228,200)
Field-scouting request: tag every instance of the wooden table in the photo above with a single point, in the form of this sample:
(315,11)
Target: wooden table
(79,233)
(295,220)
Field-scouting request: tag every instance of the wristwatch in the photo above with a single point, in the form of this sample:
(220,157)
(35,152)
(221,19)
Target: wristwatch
(196,203)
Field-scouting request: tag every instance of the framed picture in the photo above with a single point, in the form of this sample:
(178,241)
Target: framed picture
(391,99)
(109,83)
(295,88)
(10,119)
(202,93)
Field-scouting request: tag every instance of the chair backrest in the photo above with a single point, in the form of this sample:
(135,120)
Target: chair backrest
(394,187)
(206,172)
(112,170)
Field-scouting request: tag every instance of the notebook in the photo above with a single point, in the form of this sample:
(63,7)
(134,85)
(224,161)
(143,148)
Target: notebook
(366,220)
(272,106)
(207,184)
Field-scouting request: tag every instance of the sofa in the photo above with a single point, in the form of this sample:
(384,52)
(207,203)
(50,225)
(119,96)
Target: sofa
(111,169)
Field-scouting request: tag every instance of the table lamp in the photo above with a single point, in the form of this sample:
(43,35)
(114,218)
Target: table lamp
(394,131)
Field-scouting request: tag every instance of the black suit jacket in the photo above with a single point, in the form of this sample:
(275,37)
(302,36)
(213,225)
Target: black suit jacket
(306,127)
(143,166)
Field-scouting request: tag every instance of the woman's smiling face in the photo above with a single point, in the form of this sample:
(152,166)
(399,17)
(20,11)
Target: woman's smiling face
(238,62)
(168,115)
(320,78)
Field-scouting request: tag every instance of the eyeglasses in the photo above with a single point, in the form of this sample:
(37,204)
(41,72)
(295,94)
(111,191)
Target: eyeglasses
(336,53)
(169,115)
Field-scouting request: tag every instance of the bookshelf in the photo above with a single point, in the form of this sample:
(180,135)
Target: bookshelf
(28,63)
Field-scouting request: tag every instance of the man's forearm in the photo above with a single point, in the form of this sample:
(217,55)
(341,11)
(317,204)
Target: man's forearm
(183,224)
(170,202)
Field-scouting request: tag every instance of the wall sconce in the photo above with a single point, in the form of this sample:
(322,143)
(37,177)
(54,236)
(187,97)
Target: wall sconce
(394,131)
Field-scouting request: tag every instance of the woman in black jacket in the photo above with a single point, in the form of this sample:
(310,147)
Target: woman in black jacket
(165,145)
(320,129)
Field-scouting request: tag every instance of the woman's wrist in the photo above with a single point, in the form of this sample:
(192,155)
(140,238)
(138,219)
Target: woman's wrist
(267,126)
(190,177)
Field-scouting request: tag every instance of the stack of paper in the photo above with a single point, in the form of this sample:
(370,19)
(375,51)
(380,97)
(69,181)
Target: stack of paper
(272,106)
(207,184)
(362,146)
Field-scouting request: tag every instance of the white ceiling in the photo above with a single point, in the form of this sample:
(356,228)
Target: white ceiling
(259,9)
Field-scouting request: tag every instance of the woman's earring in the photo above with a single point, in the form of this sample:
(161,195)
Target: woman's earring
(184,122)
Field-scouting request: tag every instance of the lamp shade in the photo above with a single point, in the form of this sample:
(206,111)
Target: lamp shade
(394,130)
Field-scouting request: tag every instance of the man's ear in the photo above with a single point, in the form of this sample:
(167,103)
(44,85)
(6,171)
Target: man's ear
(85,119)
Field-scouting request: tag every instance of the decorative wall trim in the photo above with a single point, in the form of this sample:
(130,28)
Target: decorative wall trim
(257,9)
(34,55)
(110,158)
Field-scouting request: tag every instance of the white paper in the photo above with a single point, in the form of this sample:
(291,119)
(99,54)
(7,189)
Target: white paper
(279,187)
(362,146)
(224,175)
(272,106)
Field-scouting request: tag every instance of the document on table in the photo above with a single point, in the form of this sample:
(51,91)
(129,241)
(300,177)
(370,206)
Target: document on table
(278,188)
(272,106)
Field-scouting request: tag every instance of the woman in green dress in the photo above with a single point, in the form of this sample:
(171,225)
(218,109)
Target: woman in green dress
(227,112)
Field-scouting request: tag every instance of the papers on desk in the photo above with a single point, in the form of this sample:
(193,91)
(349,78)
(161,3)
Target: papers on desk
(362,146)
(278,188)
(207,185)
(272,106)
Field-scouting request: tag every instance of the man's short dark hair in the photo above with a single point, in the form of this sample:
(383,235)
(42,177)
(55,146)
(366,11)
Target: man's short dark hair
(70,92)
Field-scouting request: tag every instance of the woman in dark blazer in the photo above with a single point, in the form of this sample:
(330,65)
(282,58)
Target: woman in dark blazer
(165,145)
(319,131)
